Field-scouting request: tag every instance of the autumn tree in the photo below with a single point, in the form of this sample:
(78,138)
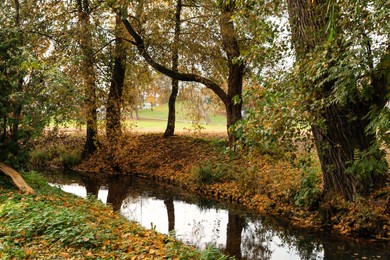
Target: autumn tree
(170,130)
(87,67)
(342,53)
(114,100)
(34,89)
(228,39)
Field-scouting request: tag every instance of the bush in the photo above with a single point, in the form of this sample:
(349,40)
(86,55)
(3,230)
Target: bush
(36,181)
(309,193)
(210,173)
(249,181)
(59,155)
(70,158)
(212,253)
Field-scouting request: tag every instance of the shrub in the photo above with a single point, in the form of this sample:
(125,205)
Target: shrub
(210,173)
(309,193)
(212,253)
(70,158)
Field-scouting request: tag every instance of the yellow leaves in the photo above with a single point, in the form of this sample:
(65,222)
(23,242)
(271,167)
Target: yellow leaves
(28,252)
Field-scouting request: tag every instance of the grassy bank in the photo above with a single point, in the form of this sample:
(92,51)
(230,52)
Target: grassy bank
(58,225)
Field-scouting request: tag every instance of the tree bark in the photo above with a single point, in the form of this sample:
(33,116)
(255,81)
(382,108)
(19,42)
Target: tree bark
(170,130)
(89,76)
(113,114)
(343,131)
(233,102)
(16,179)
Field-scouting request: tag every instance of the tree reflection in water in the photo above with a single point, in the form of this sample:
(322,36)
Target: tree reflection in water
(201,222)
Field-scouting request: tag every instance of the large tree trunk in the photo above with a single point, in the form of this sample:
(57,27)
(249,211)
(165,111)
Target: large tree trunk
(170,130)
(113,115)
(89,76)
(343,132)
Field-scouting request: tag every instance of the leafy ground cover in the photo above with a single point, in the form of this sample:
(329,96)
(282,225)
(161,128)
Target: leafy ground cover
(57,225)
(262,183)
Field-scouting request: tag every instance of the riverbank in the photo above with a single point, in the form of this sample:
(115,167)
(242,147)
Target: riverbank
(58,225)
(203,165)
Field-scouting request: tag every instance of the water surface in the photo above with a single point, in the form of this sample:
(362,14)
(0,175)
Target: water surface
(199,222)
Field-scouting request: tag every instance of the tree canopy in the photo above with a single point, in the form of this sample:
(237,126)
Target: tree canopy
(293,73)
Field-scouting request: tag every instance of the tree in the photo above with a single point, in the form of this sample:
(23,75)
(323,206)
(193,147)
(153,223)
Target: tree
(346,84)
(30,81)
(170,130)
(114,101)
(89,75)
(235,66)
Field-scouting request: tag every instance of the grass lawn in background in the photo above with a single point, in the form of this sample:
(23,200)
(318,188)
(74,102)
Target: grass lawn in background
(150,125)
(156,121)
(161,112)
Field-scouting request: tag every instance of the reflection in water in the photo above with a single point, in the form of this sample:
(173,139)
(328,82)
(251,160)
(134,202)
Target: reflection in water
(171,213)
(233,236)
(199,223)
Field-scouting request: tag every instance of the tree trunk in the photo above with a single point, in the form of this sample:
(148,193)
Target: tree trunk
(233,102)
(113,114)
(343,132)
(204,112)
(170,130)
(17,104)
(89,76)
(16,178)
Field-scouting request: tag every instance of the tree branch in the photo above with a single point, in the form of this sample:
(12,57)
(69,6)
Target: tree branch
(16,178)
(139,43)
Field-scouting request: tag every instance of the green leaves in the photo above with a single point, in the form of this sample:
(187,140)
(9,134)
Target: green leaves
(309,192)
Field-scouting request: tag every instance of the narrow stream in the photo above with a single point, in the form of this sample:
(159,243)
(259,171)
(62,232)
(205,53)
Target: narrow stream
(199,222)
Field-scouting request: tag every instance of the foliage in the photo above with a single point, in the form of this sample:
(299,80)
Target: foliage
(275,123)
(346,74)
(33,87)
(36,181)
(248,181)
(212,253)
(211,172)
(65,155)
(57,225)
(368,163)
(26,220)
(309,192)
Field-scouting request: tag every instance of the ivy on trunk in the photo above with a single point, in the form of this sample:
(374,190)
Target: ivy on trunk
(350,159)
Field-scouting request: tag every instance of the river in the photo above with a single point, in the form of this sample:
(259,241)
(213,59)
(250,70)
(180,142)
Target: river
(199,222)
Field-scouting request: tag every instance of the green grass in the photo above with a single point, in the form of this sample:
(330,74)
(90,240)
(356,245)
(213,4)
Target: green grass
(161,112)
(160,125)
(156,121)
